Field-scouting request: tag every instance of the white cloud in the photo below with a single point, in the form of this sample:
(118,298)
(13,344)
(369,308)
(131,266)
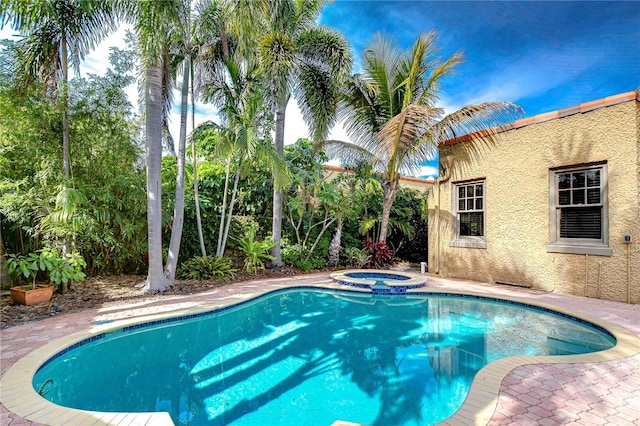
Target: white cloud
(532,75)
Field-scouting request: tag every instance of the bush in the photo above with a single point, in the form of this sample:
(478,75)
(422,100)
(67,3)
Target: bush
(295,255)
(357,257)
(380,253)
(206,268)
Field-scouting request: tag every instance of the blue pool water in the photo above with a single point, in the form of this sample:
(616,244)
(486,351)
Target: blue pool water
(377,276)
(309,357)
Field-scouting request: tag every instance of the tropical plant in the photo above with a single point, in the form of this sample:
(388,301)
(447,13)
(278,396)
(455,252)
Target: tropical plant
(379,252)
(256,252)
(103,214)
(60,269)
(23,266)
(390,113)
(206,268)
(57,33)
(357,257)
(301,59)
(237,91)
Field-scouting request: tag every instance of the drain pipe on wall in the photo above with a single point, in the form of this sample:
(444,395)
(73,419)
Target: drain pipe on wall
(448,164)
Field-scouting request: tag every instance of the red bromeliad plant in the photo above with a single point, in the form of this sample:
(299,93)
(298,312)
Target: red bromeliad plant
(380,253)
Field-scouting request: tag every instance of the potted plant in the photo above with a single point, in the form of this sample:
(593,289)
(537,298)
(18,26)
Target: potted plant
(47,260)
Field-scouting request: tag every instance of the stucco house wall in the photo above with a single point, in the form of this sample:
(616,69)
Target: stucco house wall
(516,168)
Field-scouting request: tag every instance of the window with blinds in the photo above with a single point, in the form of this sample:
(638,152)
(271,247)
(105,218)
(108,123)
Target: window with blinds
(470,209)
(578,209)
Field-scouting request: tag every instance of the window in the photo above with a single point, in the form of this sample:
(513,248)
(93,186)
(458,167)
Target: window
(578,210)
(469,212)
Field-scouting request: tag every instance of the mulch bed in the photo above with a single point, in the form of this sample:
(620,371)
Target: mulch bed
(99,292)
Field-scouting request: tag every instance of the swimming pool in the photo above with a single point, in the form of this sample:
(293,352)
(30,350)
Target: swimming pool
(309,357)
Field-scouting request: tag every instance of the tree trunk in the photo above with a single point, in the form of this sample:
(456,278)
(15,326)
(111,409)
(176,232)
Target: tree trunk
(156,281)
(5,280)
(196,195)
(178,210)
(389,192)
(277,195)
(66,162)
(336,242)
(234,192)
(225,192)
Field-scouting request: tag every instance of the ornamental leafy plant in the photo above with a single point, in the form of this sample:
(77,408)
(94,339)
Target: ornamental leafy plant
(380,253)
(60,269)
(256,252)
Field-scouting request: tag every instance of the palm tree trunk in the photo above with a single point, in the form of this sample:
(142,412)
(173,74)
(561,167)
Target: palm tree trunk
(196,195)
(156,281)
(389,192)
(65,112)
(277,195)
(178,210)
(336,242)
(234,192)
(225,192)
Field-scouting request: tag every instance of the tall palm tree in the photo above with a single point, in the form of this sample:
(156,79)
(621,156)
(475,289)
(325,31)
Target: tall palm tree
(58,34)
(153,24)
(390,113)
(306,61)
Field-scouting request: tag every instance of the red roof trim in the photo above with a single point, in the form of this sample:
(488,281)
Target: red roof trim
(405,178)
(540,118)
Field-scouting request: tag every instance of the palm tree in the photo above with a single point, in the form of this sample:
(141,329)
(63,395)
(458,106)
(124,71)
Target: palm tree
(236,90)
(390,114)
(58,34)
(306,61)
(153,21)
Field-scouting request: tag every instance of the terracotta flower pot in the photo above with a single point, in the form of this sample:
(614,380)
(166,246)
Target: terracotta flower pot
(27,295)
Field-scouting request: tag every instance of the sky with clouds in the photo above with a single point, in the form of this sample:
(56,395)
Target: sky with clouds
(542,55)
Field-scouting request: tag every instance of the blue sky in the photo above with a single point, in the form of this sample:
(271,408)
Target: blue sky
(542,55)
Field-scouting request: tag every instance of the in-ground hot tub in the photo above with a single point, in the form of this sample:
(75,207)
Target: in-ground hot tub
(380,281)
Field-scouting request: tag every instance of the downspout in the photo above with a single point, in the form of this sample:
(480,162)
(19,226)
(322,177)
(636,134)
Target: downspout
(445,177)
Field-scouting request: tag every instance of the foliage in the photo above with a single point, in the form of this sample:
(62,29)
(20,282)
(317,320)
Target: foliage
(297,256)
(23,266)
(357,257)
(256,252)
(313,204)
(104,213)
(59,269)
(380,253)
(206,267)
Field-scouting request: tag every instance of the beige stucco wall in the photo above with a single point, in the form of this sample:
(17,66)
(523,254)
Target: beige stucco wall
(516,168)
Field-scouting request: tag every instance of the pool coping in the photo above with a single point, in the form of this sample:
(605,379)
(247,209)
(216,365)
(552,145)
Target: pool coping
(19,397)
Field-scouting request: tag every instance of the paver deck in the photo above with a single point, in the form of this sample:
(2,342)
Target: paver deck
(586,393)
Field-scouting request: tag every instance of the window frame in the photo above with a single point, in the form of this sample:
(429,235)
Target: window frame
(468,241)
(558,244)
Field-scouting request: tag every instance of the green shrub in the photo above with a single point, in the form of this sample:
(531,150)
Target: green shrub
(256,252)
(206,268)
(357,257)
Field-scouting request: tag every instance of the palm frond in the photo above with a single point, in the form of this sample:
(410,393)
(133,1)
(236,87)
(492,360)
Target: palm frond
(317,95)
(326,47)
(475,118)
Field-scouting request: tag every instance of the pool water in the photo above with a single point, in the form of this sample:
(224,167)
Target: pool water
(377,276)
(310,357)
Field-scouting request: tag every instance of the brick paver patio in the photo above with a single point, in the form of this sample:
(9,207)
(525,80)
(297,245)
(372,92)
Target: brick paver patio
(598,393)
